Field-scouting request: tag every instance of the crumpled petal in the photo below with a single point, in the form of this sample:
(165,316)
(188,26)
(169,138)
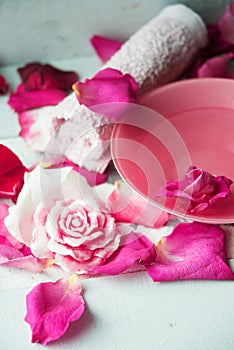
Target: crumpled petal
(192,251)
(135,249)
(128,206)
(105,48)
(217,67)
(37,76)
(226,24)
(11,174)
(217,43)
(23,100)
(199,189)
(93,178)
(108,85)
(52,306)
(4,87)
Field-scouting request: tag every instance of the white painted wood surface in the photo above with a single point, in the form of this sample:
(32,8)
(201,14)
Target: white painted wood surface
(130,311)
(58,29)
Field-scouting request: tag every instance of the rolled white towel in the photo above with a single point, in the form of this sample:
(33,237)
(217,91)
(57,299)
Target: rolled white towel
(155,55)
(161,50)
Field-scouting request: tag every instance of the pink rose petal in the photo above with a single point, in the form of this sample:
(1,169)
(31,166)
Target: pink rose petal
(11,174)
(229,229)
(19,259)
(37,76)
(226,24)
(128,206)
(93,178)
(216,67)
(14,253)
(4,233)
(217,43)
(199,189)
(107,86)
(135,249)
(4,87)
(52,306)
(105,48)
(192,251)
(23,100)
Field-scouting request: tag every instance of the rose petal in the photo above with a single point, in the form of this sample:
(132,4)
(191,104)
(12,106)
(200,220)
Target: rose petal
(105,48)
(93,178)
(226,24)
(192,251)
(14,257)
(229,229)
(217,43)
(42,185)
(198,190)
(23,100)
(135,249)
(4,87)
(3,230)
(216,67)
(11,174)
(13,253)
(37,76)
(108,85)
(128,206)
(52,306)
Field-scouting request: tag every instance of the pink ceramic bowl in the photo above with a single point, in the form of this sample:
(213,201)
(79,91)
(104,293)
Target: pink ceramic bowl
(189,122)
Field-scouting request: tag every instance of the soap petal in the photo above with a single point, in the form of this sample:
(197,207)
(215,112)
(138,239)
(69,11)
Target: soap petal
(52,306)
(192,251)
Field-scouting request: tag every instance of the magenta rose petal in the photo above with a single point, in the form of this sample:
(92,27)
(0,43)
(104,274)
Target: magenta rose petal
(192,251)
(11,174)
(128,206)
(23,100)
(108,85)
(51,307)
(199,189)
(4,87)
(37,76)
(135,249)
(216,67)
(217,44)
(226,24)
(105,48)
